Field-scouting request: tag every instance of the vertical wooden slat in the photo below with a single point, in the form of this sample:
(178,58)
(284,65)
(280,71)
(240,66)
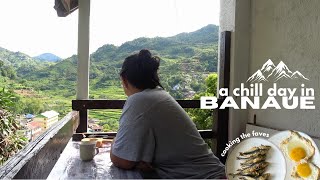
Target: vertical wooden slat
(222,123)
(83,50)
(83,59)
(224,59)
(83,124)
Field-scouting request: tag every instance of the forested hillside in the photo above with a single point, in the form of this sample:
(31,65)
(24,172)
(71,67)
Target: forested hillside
(186,60)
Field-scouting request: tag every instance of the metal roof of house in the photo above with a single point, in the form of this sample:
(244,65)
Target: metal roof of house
(29,116)
(34,125)
(50,114)
(65,7)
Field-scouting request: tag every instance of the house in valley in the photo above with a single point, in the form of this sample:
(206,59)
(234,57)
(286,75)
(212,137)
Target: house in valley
(47,119)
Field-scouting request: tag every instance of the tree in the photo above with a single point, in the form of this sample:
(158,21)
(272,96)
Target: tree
(33,106)
(203,117)
(106,128)
(211,84)
(11,140)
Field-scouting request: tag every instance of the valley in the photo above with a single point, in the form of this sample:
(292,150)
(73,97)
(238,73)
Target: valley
(186,61)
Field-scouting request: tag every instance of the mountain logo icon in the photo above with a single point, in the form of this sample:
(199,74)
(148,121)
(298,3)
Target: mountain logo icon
(270,72)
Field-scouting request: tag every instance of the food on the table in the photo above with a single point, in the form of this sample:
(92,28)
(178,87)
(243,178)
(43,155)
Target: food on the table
(254,160)
(254,167)
(300,151)
(255,150)
(297,148)
(107,141)
(97,140)
(253,153)
(254,164)
(306,171)
(262,177)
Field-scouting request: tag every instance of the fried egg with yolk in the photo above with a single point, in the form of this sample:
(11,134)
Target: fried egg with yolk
(297,148)
(306,171)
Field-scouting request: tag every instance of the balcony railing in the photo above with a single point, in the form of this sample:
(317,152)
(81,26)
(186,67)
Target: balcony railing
(38,158)
(219,131)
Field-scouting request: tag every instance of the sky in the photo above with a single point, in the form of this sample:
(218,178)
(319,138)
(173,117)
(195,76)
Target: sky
(33,27)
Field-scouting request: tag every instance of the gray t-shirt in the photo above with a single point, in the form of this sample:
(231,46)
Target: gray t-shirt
(154,128)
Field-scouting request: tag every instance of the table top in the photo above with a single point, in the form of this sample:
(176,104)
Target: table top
(70,166)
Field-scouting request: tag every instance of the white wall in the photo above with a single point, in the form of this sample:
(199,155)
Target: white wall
(282,30)
(235,17)
(288,30)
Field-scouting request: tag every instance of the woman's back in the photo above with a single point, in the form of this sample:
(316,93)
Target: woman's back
(155,130)
(168,137)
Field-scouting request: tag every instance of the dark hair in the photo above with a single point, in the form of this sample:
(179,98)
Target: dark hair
(141,70)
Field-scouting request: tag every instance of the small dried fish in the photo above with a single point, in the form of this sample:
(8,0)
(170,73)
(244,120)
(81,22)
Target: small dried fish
(254,164)
(255,149)
(262,177)
(254,160)
(253,155)
(251,174)
(254,167)
(245,158)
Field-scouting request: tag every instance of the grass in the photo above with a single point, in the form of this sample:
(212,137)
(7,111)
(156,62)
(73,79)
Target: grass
(56,100)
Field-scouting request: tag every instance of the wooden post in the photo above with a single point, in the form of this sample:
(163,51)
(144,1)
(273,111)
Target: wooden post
(83,59)
(222,123)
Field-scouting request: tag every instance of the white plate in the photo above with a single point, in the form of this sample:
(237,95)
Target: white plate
(277,166)
(280,136)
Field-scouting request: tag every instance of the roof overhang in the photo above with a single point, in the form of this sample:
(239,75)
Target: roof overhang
(65,7)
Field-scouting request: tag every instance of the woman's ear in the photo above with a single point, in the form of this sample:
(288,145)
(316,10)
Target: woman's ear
(124,83)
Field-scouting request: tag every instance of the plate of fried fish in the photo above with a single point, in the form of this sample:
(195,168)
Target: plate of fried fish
(256,159)
(301,154)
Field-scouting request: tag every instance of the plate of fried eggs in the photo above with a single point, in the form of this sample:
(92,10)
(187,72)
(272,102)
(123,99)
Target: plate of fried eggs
(301,154)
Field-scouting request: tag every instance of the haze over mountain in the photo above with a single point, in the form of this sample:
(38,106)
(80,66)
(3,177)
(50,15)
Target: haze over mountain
(49,57)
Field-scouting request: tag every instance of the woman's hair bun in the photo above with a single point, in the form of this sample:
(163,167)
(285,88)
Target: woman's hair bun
(141,70)
(145,54)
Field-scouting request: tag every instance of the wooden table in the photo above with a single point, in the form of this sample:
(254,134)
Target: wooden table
(70,166)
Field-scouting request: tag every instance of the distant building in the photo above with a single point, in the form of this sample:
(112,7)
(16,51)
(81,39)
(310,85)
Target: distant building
(176,87)
(47,119)
(94,128)
(34,130)
(29,116)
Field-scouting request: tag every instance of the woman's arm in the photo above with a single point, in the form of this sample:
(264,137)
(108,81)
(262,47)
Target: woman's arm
(125,164)
(121,163)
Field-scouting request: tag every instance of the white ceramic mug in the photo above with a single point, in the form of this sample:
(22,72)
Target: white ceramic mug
(88,150)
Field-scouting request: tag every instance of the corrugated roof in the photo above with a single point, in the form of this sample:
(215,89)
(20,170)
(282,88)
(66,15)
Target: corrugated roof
(29,116)
(33,125)
(65,7)
(50,114)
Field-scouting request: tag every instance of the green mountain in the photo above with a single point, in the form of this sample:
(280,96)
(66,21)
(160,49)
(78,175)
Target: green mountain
(18,64)
(186,60)
(48,57)
(194,52)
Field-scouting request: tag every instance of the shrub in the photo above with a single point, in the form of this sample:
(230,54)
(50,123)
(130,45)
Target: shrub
(10,140)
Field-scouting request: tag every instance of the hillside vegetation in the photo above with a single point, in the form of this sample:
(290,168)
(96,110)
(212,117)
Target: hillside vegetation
(186,60)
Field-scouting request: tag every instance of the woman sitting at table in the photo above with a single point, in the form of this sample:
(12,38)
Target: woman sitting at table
(155,133)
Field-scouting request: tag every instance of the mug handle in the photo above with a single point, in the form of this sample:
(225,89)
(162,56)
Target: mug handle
(97,150)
